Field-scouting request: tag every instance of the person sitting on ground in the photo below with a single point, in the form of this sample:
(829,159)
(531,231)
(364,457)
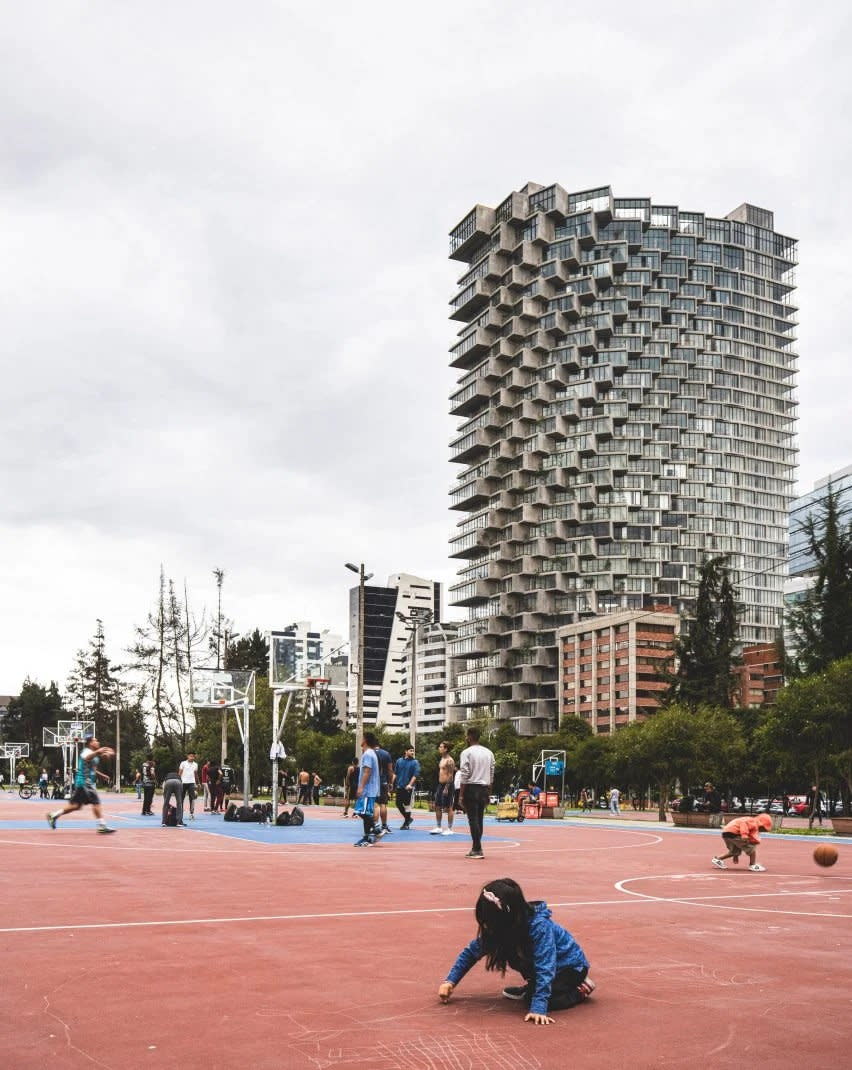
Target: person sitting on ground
(742,835)
(513,932)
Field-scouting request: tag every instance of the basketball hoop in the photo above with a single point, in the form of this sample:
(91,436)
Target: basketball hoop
(317,683)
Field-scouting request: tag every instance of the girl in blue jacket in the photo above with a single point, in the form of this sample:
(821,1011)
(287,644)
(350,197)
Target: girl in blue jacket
(513,932)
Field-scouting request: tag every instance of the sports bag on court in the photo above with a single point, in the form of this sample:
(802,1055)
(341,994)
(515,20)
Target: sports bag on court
(296,816)
(171,816)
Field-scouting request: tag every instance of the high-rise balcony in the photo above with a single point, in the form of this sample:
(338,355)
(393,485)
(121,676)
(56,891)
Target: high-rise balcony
(471,495)
(472,347)
(470,398)
(472,298)
(470,446)
(465,236)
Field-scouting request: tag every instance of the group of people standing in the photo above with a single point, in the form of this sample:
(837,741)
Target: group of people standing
(216,782)
(468,787)
(309,788)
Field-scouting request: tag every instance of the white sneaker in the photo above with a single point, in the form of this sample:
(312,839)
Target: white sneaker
(718,863)
(757,868)
(436,831)
(448,832)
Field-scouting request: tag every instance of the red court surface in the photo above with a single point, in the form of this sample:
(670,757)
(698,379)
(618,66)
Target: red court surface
(185,948)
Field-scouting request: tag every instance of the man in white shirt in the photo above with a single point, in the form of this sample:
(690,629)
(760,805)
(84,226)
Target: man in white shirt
(189,778)
(477,775)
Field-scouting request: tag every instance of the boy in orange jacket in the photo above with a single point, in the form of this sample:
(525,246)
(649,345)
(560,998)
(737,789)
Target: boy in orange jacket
(743,835)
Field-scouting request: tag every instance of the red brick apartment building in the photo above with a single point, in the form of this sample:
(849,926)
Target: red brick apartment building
(610,667)
(760,677)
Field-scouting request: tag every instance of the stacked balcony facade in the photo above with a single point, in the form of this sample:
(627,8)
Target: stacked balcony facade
(626,405)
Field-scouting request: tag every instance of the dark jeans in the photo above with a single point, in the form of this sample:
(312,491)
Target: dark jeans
(403,802)
(147,798)
(563,991)
(475,799)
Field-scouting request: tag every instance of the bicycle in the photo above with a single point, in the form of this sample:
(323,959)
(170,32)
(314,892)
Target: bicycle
(26,791)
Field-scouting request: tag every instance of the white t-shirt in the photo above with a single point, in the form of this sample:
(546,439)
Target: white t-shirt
(22,778)
(187,772)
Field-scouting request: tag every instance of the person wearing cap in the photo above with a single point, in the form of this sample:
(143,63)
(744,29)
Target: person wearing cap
(742,835)
(84,793)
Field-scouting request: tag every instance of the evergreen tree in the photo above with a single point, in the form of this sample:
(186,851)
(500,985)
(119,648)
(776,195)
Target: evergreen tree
(94,688)
(250,652)
(324,715)
(821,625)
(706,653)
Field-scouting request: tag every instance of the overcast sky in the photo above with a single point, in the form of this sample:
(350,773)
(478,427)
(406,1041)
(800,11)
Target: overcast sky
(224,282)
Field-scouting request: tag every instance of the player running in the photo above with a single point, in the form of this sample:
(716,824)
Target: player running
(84,793)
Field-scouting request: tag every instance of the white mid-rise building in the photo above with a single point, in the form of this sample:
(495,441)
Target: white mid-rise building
(432,676)
(385,639)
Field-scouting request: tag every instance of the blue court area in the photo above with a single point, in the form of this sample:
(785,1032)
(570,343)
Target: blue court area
(317,830)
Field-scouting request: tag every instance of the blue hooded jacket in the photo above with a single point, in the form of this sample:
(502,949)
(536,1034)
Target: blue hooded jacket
(553,948)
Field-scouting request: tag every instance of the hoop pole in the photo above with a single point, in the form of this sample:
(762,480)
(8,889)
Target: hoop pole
(276,705)
(246,773)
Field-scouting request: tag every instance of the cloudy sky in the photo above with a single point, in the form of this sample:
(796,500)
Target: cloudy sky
(224,284)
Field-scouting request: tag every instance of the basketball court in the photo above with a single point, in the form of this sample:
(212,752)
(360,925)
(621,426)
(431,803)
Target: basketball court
(264,947)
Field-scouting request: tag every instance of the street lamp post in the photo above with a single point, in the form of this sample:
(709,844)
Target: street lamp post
(359,699)
(416,616)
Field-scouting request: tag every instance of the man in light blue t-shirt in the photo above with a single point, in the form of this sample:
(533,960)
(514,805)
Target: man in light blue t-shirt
(369,786)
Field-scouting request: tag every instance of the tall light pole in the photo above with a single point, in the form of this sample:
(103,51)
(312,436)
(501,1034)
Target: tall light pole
(417,615)
(359,700)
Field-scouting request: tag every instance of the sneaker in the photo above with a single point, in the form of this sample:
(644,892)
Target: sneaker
(515,991)
(756,867)
(436,831)
(718,863)
(474,854)
(380,832)
(448,832)
(364,842)
(51,820)
(405,826)
(105,828)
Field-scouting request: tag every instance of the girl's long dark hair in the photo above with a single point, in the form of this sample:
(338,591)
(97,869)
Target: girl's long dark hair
(504,925)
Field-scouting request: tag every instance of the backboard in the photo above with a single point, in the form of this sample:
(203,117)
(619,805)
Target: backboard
(67,732)
(213,689)
(14,750)
(282,660)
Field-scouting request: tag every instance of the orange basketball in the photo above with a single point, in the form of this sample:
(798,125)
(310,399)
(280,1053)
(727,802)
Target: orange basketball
(824,855)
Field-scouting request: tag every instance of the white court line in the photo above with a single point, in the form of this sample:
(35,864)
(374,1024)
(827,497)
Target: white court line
(704,902)
(293,917)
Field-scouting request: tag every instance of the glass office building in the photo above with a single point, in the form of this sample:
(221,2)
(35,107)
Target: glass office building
(627,408)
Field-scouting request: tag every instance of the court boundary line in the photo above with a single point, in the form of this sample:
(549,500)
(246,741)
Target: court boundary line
(704,902)
(326,916)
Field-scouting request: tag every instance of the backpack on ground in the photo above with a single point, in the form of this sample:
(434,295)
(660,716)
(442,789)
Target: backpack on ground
(248,813)
(171,816)
(296,816)
(231,813)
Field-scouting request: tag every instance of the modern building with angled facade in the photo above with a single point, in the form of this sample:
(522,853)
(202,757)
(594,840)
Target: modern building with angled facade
(626,399)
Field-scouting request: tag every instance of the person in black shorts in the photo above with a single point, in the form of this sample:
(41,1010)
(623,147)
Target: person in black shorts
(386,778)
(84,793)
